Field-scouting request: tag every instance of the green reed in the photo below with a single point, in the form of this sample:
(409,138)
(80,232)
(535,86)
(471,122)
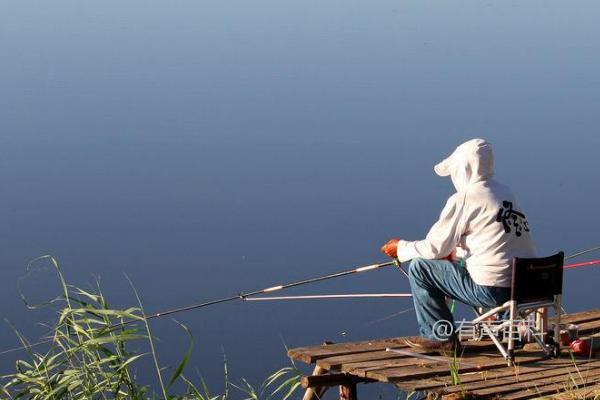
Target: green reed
(92,354)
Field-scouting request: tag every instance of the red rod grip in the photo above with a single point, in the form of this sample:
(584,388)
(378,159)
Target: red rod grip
(581,264)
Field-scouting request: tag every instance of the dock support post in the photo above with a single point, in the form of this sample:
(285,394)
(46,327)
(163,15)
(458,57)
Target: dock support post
(317,392)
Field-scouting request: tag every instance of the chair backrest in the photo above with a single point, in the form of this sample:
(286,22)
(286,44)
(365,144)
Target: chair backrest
(537,279)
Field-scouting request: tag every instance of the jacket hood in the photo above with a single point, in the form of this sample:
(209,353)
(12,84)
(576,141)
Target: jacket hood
(471,162)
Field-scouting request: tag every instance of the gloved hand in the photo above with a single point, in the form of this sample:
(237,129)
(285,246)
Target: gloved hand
(391,248)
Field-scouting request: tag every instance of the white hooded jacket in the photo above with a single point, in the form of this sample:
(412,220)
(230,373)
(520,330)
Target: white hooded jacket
(483,219)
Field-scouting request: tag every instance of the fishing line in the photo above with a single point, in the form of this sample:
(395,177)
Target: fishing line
(39,280)
(379,320)
(28,346)
(398,264)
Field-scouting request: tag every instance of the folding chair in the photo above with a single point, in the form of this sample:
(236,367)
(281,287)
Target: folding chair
(536,286)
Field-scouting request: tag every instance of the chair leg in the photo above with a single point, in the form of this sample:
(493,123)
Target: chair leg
(557,311)
(540,342)
(512,324)
(541,323)
(493,335)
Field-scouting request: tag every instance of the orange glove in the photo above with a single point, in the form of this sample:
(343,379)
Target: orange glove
(450,257)
(390,248)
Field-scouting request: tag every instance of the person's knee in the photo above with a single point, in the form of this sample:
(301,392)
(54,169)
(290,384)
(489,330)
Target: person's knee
(416,268)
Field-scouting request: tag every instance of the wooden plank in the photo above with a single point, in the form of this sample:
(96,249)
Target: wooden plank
(502,372)
(491,361)
(490,374)
(376,360)
(589,327)
(546,390)
(412,363)
(402,377)
(578,317)
(540,383)
(592,340)
(336,362)
(402,361)
(532,377)
(396,375)
(588,392)
(311,354)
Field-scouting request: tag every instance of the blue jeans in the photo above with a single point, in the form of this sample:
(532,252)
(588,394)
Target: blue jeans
(431,281)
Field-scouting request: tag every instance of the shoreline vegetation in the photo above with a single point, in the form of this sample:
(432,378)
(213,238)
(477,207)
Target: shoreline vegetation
(92,353)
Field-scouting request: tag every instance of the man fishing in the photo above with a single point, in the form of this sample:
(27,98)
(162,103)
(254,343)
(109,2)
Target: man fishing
(483,223)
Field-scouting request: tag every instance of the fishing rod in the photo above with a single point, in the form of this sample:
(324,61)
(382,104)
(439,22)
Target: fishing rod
(582,264)
(333,296)
(582,252)
(245,296)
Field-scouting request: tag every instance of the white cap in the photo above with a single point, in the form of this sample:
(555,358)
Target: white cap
(443,168)
(473,149)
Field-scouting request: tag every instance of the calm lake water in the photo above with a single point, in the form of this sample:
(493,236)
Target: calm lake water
(207,148)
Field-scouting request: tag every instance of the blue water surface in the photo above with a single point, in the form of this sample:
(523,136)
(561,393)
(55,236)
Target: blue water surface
(205,148)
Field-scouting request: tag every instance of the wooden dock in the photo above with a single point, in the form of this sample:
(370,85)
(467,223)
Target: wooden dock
(481,371)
